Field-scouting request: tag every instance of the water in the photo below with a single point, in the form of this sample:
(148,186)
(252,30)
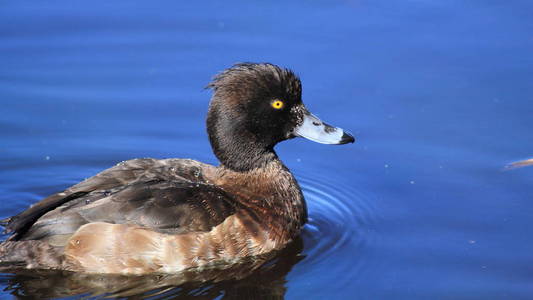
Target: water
(439,95)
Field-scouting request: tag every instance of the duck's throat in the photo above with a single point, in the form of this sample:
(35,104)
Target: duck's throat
(241,152)
(243,158)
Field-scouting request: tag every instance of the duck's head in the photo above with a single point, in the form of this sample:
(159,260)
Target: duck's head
(256,106)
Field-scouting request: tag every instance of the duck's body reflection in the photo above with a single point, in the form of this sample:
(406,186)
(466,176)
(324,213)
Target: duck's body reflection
(253,278)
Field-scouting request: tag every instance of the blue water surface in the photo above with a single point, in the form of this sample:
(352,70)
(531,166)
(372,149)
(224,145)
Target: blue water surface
(439,95)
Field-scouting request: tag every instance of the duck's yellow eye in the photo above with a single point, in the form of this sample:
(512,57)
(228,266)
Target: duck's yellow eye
(277,104)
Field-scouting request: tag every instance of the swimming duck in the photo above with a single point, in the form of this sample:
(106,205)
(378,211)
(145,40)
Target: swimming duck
(167,215)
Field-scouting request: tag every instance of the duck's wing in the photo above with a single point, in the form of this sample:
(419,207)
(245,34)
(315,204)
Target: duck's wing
(165,195)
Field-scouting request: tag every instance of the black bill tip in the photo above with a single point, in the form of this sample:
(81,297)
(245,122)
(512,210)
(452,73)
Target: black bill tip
(346,138)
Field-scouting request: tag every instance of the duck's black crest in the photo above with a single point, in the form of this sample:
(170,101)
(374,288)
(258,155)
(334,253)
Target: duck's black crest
(257,77)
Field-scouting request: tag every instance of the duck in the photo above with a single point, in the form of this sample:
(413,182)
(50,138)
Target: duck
(148,215)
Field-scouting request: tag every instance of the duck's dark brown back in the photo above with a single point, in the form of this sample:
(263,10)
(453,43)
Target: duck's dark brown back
(168,196)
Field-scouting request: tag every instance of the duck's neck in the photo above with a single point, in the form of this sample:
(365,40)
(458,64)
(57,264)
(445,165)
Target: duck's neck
(245,155)
(251,170)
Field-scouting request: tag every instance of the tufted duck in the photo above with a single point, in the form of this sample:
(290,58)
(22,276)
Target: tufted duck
(149,215)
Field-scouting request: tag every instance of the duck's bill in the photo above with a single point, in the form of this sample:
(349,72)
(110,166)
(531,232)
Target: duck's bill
(312,128)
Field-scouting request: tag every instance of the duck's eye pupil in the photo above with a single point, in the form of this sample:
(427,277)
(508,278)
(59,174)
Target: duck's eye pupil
(277,104)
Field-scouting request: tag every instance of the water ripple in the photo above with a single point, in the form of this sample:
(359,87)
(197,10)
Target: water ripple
(340,226)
